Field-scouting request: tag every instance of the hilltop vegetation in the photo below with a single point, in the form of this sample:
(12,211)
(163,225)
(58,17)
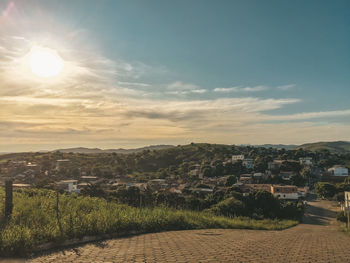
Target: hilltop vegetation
(334,147)
(120,150)
(175,162)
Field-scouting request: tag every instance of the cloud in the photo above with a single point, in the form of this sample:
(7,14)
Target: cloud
(311,115)
(133,84)
(226,90)
(286,87)
(180,86)
(241,89)
(254,89)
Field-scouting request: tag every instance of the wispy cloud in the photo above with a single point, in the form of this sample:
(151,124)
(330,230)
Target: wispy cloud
(311,115)
(242,89)
(286,87)
(226,90)
(180,88)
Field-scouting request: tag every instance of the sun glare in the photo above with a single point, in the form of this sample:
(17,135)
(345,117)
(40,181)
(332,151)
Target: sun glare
(45,62)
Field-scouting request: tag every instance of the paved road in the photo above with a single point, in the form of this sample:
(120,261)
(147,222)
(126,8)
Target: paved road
(316,240)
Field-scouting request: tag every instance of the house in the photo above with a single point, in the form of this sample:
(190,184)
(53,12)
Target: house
(245,179)
(141,186)
(258,187)
(286,175)
(259,176)
(21,185)
(302,191)
(276,164)
(338,170)
(87,178)
(62,164)
(248,163)
(236,158)
(158,184)
(196,171)
(285,192)
(33,166)
(70,186)
(305,161)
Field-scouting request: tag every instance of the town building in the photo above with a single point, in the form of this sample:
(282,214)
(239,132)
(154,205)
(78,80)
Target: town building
(60,164)
(70,186)
(236,158)
(338,170)
(196,171)
(248,163)
(305,161)
(276,164)
(245,179)
(286,175)
(285,192)
(258,187)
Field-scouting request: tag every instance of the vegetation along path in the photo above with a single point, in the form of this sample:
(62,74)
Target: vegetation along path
(315,240)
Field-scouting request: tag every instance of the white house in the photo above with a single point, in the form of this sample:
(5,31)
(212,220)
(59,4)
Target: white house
(338,170)
(286,192)
(236,158)
(70,186)
(305,161)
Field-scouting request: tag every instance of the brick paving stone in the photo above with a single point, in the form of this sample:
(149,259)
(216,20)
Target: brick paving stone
(316,240)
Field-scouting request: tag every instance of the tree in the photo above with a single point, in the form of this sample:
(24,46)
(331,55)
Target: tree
(231,180)
(229,207)
(262,204)
(298,180)
(325,190)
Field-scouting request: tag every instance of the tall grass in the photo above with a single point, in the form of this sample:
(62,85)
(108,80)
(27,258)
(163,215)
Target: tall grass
(34,220)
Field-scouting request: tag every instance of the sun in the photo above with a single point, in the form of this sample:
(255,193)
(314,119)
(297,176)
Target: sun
(45,62)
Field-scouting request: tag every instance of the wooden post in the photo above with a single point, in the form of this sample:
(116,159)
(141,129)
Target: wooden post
(58,213)
(8,199)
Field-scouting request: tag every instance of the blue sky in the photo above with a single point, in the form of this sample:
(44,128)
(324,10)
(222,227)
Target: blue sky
(229,71)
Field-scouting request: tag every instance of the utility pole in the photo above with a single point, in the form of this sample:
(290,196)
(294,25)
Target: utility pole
(347,207)
(8,198)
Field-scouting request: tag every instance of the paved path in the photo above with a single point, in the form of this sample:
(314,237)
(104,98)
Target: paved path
(316,240)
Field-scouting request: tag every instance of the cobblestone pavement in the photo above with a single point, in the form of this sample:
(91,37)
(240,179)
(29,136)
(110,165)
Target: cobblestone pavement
(316,240)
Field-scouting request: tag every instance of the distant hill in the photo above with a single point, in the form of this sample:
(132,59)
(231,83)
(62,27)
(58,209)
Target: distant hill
(334,147)
(120,150)
(278,146)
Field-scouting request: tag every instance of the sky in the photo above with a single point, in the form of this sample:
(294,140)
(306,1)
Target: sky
(152,72)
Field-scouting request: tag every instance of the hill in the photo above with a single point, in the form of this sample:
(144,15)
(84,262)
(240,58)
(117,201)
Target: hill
(120,150)
(278,146)
(334,147)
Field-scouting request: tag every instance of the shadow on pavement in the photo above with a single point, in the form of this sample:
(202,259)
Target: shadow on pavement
(317,215)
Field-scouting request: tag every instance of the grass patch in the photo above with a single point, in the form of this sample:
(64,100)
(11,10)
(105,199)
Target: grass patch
(34,220)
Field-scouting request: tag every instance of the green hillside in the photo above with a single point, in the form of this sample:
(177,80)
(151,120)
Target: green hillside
(334,147)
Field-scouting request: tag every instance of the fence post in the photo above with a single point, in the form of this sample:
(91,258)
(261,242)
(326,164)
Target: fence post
(8,199)
(58,213)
